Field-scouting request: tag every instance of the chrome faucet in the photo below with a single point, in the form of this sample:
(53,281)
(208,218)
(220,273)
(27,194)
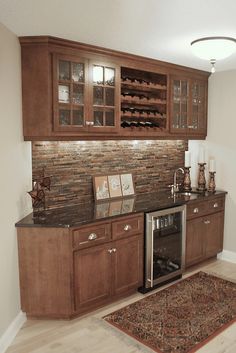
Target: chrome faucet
(175,186)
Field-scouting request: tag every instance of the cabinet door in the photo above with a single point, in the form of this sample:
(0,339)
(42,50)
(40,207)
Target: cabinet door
(179,110)
(92,275)
(213,234)
(70,93)
(104,97)
(188,106)
(128,264)
(194,241)
(198,111)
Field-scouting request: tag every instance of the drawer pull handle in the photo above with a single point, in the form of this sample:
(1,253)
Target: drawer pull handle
(127,227)
(114,250)
(110,251)
(216,205)
(92,236)
(196,210)
(207,222)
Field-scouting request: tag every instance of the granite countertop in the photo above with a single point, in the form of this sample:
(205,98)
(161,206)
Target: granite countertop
(73,216)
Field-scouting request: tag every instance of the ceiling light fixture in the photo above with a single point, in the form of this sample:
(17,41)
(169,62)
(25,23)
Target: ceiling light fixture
(213,48)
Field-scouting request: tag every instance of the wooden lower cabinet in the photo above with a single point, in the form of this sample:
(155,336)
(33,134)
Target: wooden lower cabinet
(45,266)
(204,238)
(214,234)
(65,272)
(194,241)
(104,272)
(92,276)
(128,264)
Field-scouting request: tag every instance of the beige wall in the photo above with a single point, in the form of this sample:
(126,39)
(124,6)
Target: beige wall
(221,144)
(15,174)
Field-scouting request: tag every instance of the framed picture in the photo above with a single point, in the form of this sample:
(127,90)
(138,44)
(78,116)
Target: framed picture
(101,189)
(114,185)
(107,187)
(127,185)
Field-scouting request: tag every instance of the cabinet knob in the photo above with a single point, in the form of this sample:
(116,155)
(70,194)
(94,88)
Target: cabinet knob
(110,251)
(207,222)
(114,250)
(127,227)
(92,236)
(90,123)
(216,205)
(196,210)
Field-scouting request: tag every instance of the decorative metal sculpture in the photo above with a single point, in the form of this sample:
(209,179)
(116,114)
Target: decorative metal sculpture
(38,192)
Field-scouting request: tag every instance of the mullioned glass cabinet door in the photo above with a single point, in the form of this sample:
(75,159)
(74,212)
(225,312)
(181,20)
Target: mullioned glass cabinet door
(188,110)
(105,97)
(198,106)
(70,93)
(179,105)
(86,95)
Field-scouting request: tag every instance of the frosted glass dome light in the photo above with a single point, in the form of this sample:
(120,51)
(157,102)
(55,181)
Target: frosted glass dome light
(213,48)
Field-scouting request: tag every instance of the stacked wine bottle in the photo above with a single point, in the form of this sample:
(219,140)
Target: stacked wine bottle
(143,99)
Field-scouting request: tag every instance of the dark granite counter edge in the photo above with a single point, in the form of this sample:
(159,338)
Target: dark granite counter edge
(141,205)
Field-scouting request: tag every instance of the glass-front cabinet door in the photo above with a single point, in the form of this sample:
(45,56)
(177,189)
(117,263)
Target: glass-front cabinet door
(86,95)
(105,96)
(198,122)
(70,79)
(179,105)
(188,110)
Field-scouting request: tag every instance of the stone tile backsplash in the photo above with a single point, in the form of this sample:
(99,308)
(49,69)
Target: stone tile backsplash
(73,164)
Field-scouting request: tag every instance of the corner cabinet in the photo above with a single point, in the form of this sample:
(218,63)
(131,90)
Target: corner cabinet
(188,106)
(65,272)
(85,95)
(72,90)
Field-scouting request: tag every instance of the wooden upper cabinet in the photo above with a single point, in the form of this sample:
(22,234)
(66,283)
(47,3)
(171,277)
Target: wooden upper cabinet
(72,90)
(85,95)
(188,106)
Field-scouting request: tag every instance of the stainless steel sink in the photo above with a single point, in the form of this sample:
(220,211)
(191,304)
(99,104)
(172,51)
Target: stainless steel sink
(185,193)
(189,193)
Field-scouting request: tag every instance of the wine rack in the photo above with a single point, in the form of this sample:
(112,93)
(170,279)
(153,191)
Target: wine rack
(143,100)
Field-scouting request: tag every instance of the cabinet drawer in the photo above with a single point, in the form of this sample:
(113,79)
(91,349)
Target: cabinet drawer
(216,204)
(197,209)
(92,235)
(127,226)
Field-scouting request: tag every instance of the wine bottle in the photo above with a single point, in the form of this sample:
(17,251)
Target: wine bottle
(155,124)
(141,123)
(148,124)
(133,124)
(125,124)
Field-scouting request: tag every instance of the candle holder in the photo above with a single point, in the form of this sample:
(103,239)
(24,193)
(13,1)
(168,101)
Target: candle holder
(201,178)
(212,184)
(187,180)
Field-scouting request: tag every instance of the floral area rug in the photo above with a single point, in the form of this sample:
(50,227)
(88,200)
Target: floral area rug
(182,317)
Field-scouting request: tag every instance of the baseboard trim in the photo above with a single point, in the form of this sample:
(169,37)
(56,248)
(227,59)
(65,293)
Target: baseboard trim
(11,332)
(227,255)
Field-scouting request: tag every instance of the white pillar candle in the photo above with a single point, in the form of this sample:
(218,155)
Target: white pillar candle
(201,158)
(187,159)
(212,166)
